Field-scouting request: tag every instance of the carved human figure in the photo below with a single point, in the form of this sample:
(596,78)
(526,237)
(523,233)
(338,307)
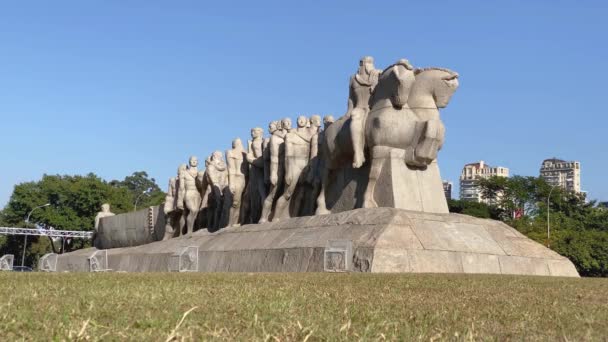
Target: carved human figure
(285,126)
(297,156)
(272,127)
(276,152)
(216,178)
(236,159)
(105,212)
(189,199)
(361,86)
(309,202)
(174,221)
(255,158)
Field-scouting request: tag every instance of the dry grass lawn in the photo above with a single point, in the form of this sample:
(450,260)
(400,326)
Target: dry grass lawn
(299,307)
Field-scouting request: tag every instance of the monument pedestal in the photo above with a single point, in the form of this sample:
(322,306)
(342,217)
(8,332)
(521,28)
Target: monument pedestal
(361,240)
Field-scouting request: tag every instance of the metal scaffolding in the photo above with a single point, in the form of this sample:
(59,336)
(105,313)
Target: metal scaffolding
(46,232)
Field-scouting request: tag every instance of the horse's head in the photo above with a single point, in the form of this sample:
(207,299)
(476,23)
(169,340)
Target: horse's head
(395,83)
(439,83)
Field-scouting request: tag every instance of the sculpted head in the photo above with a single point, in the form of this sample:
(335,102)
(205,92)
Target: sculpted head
(193,162)
(315,121)
(366,65)
(257,133)
(217,155)
(286,124)
(237,144)
(105,208)
(328,120)
(302,121)
(181,168)
(273,126)
(395,83)
(440,83)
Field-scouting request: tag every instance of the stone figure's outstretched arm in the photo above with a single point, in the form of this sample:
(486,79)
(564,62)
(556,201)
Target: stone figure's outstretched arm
(181,192)
(351,97)
(288,152)
(274,161)
(314,158)
(250,156)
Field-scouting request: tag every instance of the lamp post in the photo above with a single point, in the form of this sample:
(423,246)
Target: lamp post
(27,222)
(138,197)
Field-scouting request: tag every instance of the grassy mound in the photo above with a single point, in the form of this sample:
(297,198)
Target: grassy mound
(311,306)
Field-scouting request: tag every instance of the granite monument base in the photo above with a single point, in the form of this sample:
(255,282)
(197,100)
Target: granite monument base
(361,240)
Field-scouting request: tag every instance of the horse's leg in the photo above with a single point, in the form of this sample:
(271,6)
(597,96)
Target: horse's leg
(357,133)
(321,205)
(379,155)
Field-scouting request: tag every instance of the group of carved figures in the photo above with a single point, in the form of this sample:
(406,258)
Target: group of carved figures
(390,113)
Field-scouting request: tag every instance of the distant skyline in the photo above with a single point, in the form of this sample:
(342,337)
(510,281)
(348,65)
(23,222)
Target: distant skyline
(116,87)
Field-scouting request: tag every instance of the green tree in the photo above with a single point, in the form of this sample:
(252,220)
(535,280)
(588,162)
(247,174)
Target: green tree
(142,189)
(74,200)
(579,228)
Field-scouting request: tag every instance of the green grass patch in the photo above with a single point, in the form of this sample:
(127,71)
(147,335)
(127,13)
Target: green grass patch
(300,306)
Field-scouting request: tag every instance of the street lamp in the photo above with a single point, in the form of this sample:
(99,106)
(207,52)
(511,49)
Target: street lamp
(138,197)
(27,222)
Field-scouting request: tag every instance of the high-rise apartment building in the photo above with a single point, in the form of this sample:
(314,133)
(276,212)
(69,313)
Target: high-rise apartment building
(447,189)
(565,174)
(469,191)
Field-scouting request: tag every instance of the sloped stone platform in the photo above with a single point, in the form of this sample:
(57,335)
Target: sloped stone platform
(382,239)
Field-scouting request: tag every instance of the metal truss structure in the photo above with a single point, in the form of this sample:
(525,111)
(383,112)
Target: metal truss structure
(47,232)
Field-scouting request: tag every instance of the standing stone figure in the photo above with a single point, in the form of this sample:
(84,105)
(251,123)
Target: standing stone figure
(236,159)
(286,126)
(276,166)
(174,221)
(189,199)
(309,202)
(361,86)
(216,178)
(272,126)
(105,212)
(255,157)
(297,156)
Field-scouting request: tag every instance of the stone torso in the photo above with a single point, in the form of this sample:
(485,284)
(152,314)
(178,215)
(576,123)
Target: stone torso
(189,179)
(299,142)
(361,87)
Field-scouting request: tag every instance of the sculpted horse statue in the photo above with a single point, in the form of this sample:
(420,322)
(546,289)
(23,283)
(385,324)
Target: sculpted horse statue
(403,123)
(406,125)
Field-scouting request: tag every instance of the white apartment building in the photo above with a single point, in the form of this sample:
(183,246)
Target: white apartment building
(469,191)
(565,174)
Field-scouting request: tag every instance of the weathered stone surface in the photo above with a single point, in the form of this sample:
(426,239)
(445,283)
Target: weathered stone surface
(131,229)
(383,240)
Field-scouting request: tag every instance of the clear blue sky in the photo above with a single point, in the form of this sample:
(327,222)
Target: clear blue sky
(113,87)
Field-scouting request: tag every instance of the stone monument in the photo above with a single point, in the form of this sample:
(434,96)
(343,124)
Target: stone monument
(372,175)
